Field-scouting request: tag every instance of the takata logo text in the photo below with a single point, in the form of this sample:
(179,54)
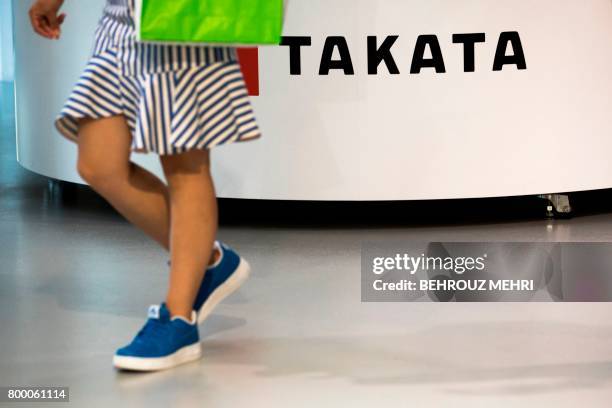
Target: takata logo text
(381,51)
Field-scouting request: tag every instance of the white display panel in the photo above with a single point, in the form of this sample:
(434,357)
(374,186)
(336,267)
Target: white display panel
(430,135)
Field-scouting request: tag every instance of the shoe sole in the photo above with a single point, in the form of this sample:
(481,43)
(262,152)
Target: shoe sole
(182,356)
(225,289)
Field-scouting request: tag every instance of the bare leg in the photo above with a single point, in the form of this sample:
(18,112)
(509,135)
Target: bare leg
(104,162)
(138,195)
(193,211)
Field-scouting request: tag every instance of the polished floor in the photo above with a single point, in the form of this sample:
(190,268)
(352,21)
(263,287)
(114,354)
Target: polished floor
(76,279)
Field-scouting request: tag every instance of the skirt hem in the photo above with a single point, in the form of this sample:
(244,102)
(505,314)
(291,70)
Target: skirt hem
(67,126)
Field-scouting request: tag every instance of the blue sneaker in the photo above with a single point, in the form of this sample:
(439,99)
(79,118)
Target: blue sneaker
(220,280)
(162,343)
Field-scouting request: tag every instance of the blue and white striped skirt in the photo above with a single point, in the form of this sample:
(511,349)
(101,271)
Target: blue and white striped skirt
(174,98)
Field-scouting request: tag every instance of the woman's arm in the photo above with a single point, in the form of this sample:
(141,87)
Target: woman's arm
(45,18)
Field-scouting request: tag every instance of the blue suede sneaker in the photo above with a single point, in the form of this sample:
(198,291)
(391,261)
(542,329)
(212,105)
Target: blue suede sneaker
(220,280)
(162,343)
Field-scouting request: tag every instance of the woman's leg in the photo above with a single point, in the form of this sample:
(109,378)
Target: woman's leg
(193,211)
(104,162)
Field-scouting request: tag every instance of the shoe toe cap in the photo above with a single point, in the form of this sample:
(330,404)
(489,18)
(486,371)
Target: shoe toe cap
(126,351)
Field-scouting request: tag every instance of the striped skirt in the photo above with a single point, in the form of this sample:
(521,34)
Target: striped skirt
(174,98)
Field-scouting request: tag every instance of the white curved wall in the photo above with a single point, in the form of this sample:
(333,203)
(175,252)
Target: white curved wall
(384,137)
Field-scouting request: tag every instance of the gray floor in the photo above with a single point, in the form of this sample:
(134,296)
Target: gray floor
(76,280)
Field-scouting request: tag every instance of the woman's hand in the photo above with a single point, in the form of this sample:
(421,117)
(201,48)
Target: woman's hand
(45,18)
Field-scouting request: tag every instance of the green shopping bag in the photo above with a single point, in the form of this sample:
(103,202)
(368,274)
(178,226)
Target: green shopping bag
(224,22)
